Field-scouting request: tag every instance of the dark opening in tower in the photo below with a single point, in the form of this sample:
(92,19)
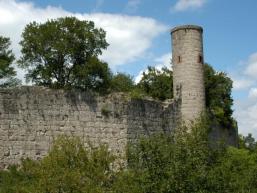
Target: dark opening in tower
(200,59)
(179,59)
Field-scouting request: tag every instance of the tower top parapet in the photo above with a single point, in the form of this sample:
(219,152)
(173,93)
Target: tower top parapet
(196,27)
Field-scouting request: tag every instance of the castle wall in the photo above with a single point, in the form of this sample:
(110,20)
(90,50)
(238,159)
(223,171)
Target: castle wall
(32,117)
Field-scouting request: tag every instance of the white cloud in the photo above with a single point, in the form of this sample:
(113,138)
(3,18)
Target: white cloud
(246,76)
(15,15)
(251,68)
(183,5)
(140,75)
(246,115)
(129,36)
(245,82)
(253,94)
(241,84)
(164,61)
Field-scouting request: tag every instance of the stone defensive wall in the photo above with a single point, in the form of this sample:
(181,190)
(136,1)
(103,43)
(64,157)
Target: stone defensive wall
(32,117)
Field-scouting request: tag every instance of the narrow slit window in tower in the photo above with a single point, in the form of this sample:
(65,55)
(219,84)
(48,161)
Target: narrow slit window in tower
(179,59)
(200,59)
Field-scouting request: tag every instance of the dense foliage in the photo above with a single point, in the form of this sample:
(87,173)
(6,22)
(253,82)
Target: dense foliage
(122,82)
(157,83)
(187,162)
(62,52)
(69,167)
(184,162)
(7,71)
(218,88)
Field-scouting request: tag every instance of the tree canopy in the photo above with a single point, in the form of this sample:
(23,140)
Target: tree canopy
(7,72)
(218,88)
(122,82)
(61,52)
(157,83)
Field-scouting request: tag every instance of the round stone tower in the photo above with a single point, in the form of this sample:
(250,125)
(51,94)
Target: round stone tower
(188,77)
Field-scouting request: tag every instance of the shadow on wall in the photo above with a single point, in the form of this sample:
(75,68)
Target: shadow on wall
(148,117)
(76,97)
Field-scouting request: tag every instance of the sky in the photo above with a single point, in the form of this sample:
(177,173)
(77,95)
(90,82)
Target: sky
(138,32)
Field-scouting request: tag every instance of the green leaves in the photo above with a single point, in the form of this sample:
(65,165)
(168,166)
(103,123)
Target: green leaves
(95,75)
(235,171)
(187,162)
(55,52)
(157,83)
(7,72)
(122,83)
(69,167)
(171,163)
(218,88)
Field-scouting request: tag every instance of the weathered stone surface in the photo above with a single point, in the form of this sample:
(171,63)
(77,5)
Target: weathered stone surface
(187,60)
(31,117)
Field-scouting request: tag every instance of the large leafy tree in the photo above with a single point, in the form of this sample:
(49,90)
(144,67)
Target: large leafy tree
(218,88)
(96,76)
(59,52)
(7,72)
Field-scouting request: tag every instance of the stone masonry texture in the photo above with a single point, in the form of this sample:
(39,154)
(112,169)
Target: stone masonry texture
(32,117)
(187,60)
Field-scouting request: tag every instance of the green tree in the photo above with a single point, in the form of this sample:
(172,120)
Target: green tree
(95,76)
(235,171)
(122,82)
(218,88)
(7,72)
(57,53)
(157,83)
(248,142)
(14,180)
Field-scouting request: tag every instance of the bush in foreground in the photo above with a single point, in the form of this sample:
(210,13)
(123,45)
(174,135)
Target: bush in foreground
(69,167)
(184,162)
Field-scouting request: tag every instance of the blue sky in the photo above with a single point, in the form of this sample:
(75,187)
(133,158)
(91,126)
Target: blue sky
(139,35)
